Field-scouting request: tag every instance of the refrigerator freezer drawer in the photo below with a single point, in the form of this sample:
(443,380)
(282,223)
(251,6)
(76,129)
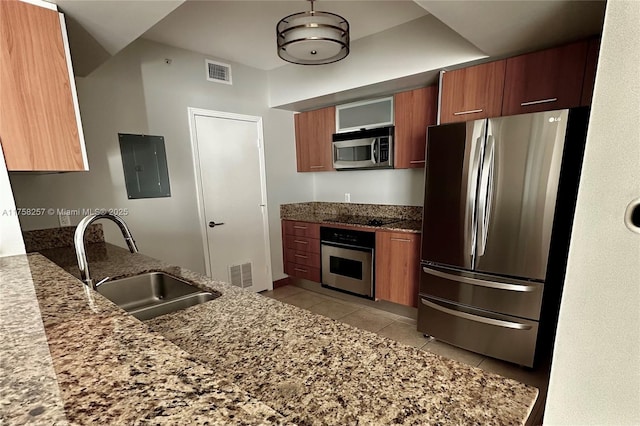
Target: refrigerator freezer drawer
(498,336)
(506,296)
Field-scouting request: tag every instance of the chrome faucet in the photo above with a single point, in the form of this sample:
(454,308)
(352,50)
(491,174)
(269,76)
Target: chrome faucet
(81,253)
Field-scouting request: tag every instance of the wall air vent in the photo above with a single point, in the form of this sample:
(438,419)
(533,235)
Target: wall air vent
(218,72)
(241,275)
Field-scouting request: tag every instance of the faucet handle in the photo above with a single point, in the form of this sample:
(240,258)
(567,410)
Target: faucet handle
(102,281)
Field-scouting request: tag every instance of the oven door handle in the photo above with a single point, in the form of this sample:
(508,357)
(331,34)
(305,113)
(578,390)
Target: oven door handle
(347,246)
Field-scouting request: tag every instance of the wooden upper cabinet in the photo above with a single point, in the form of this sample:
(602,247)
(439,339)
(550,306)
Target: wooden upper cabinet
(40,126)
(398,267)
(590,71)
(546,80)
(314,130)
(472,93)
(414,111)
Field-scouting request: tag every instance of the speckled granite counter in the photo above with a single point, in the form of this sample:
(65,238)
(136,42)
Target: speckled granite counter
(71,356)
(403,218)
(241,358)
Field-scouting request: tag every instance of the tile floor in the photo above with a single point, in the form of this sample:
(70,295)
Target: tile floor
(403,330)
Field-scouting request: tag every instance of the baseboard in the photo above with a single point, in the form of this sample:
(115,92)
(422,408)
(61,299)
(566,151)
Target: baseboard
(281,282)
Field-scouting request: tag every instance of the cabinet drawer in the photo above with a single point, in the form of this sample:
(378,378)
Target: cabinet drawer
(302,229)
(507,296)
(304,258)
(302,244)
(499,336)
(302,271)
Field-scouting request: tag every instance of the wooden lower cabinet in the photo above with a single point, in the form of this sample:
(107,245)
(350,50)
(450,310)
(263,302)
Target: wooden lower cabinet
(398,267)
(301,271)
(301,249)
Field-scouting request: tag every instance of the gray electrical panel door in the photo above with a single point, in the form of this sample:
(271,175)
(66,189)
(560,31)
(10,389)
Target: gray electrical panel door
(144,160)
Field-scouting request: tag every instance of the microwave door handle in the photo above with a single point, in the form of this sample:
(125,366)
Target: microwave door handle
(374,151)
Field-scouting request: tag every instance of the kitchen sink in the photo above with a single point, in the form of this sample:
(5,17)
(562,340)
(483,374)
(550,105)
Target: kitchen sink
(153,294)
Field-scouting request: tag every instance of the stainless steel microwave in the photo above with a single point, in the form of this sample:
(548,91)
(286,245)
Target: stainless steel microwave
(363,149)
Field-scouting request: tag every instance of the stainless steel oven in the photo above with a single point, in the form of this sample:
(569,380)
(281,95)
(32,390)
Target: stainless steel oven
(347,260)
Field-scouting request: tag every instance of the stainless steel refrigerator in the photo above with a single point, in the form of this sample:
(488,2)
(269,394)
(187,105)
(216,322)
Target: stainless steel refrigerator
(491,195)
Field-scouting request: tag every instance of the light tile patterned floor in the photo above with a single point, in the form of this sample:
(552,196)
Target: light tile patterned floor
(404,330)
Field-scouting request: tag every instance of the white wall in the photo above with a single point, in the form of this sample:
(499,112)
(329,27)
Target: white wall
(401,187)
(595,374)
(10,236)
(421,45)
(137,92)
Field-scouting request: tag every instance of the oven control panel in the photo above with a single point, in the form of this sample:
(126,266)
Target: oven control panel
(350,237)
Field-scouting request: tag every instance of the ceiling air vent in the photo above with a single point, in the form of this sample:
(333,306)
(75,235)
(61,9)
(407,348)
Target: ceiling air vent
(218,72)
(241,275)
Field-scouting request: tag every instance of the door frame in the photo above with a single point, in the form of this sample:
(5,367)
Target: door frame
(193,112)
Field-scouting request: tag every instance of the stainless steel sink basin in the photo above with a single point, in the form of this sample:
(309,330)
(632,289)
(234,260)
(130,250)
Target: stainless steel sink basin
(153,294)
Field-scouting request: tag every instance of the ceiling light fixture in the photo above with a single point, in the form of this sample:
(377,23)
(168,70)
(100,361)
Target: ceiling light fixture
(313,38)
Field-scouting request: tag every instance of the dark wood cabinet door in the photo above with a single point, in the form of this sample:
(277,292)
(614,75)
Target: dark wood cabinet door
(472,93)
(414,111)
(590,71)
(546,80)
(313,139)
(398,267)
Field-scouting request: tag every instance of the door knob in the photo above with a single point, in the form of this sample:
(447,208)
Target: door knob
(213,224)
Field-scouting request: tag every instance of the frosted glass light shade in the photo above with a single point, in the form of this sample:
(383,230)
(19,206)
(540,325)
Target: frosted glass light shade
(313,38)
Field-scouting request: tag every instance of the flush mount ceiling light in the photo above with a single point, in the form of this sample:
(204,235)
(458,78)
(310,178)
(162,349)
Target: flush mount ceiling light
(313,38)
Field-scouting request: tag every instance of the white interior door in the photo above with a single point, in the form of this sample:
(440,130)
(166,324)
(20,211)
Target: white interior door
(229,160)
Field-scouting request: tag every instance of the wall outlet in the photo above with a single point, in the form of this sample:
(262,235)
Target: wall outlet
(64,219)
(347,197)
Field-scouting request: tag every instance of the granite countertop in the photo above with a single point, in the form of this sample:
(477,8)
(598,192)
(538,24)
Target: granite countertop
(398,218)
(241,358)
(70,356)
(399,225)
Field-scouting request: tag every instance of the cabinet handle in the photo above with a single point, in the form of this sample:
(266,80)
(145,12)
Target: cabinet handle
(471,111)
(301,256)
(403,240)
(541,101)
(417,161)
(299,227)
(476,318)
(526,288)
(300,270)
(316,167)
(300,242)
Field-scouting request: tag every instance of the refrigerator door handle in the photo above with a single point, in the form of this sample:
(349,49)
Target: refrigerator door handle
(476,318)
(471,203)
(485,194)
(527,288)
